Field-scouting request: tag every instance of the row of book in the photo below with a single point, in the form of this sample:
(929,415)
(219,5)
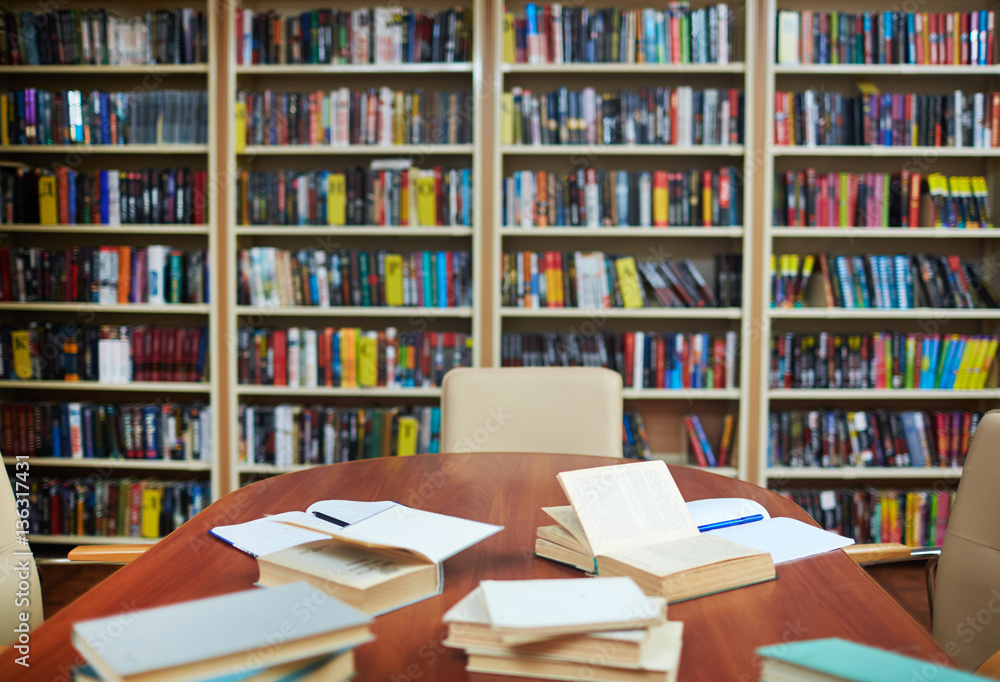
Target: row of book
(105,353)
(664,115)
(869,438)
(882,360)
(373,116)
(104,274)
(892,37)
(315,434)
(99,37)
(386,194)
(557,34)
(701,448)
(916,518)
(88,430)
(102,197)
(349,357)
(128,507)
(594,280)
(672,360)
(593,197)
(379,35)
(313,277)
(823,118)
(876,281)
(33,116)
(905,199)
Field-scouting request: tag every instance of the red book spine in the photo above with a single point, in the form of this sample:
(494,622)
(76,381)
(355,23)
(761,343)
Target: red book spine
(279,343)
(695,442)
(629,358)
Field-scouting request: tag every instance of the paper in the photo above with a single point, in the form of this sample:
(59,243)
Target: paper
(786,539)
(547,604)
(567,518)
(349,511)
(718,509)
(266,535)
(674,556)
(627,505)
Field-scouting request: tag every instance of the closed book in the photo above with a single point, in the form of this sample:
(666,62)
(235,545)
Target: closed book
(198,639)
(842,661)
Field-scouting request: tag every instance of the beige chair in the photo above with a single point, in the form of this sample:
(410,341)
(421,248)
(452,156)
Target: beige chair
(574,410)
(964,583)
(20,590)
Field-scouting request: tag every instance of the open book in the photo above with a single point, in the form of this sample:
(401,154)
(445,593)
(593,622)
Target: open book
(630,520)
(375,556)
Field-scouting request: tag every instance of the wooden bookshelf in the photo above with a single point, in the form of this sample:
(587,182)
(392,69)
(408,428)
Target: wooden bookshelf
(205,236)
(661,409)
(284,77)
(814,317)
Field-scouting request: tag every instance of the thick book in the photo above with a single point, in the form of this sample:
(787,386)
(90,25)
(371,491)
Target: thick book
(634,523)
(838,660)
(656,647)
(336,667)
(211,637)
(376,556)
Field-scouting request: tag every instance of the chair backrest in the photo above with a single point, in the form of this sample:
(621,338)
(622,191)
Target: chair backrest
(967,593)
(569,410)
(17,572)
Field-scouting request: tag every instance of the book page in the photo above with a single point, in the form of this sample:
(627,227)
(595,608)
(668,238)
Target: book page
(347,512)
(269,534)
(666,558)
(567,518)
(599,603)
(627,505)
(349,565)
(784,538)
(719,509)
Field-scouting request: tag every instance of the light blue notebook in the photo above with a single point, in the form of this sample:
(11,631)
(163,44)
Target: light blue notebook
(209,638)
(837,659)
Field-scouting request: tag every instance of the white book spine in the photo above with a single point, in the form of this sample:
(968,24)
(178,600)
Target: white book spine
(249,429)
(156,257)
(321,279)
(310,349)
(638,361)
(731,358)
(114,200)
(75,430)
(293,357)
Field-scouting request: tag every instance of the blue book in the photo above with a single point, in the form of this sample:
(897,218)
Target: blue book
(442,279)
(213,637)
(435,445)
(105,206)
(840,660)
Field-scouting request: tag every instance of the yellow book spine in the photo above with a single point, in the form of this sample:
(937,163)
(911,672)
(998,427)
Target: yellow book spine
(394,279)
(968,353)
(661,206)
(507,118)
(508,38)
(21,340)
(336,199)
(426,199)
(241,127)
(4,114)
(973,377)
(706,203)
(48,213)
(152,502)
(628,282)
(367,360)
(407,440)
(988,357)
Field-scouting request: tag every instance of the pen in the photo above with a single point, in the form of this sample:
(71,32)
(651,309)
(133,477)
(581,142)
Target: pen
(732,522)
(327,517)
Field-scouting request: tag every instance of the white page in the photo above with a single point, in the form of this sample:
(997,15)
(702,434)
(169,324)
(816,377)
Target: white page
(627,505)
(567,518)
(349,511)
(434,536)
(267,535)
(719,509)
(784,538)
(535,604)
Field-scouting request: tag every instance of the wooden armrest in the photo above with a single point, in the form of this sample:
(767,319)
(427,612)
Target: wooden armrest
(886,551)
(117,553)
(990,667)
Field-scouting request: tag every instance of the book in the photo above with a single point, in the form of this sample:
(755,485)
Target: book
(337,667)
(209,637)
(841,660)
(376,556)
(650,536)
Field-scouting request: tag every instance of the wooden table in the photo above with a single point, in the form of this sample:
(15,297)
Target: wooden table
(822,596)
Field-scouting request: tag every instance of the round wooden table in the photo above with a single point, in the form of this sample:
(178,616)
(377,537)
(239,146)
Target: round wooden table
(822,596)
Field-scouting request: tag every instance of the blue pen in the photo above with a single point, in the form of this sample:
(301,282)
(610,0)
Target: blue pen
(731,522)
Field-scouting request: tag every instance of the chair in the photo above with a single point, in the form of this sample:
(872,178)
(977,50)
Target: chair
(964,582)
(575,410)
(20,589)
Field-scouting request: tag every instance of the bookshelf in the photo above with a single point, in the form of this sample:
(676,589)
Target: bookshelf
(164,147)
(805,481)
(435,144)
(518,77)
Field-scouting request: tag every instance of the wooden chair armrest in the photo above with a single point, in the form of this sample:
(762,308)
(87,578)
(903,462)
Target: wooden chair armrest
(869,553)
(990,667)
(117,553)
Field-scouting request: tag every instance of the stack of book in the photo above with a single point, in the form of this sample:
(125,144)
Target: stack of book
(227,637)
(603,629)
